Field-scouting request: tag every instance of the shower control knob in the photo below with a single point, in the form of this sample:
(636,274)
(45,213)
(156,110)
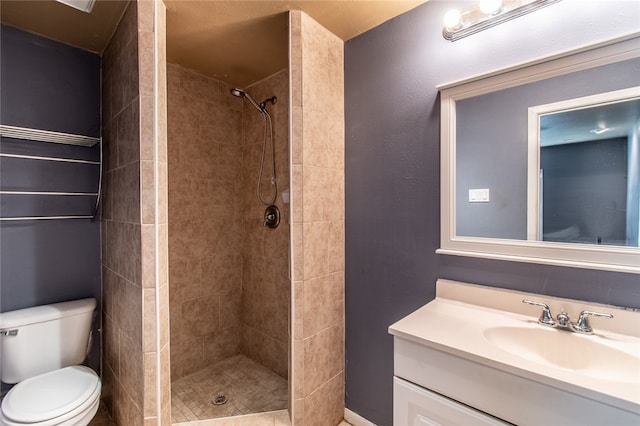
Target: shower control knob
(271,217)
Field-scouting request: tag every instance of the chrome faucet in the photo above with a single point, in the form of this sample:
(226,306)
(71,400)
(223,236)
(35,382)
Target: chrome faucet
(545,317)
(582,325)
(562,319)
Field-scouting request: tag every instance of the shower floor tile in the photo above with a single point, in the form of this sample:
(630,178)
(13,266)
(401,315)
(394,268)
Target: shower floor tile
(248,386)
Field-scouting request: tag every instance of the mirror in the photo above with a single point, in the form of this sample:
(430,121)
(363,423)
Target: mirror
(583,178)
(495,136)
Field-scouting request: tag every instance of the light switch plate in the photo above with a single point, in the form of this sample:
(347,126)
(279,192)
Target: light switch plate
(479,195)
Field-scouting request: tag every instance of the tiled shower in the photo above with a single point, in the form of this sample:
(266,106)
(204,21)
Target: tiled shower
(177,291)
(229,274)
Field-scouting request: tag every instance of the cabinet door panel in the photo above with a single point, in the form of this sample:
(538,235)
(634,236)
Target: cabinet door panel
(416,406)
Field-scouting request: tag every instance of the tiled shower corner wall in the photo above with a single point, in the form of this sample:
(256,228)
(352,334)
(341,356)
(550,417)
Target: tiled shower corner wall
(132,217)
(205,226)
(317,121)
(266,288)
(229,287)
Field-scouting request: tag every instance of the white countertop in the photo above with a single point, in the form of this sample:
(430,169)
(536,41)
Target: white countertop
(455,322)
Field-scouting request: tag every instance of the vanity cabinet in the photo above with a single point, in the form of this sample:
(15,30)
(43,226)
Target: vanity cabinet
(448,372)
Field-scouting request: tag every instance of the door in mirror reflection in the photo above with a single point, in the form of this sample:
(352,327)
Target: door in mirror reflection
(589,177)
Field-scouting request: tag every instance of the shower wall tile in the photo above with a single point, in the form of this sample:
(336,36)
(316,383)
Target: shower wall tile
(316,62)
(321,248)
(150,388)
(323,357)
(125,410)
(122,37)
(323,191)
(222,344)
(188,358)
(265,350)
(127,142)
(323,138)
(148,256)
(130,226)
(128,317)
(162,192)
(131,370)
(164,315)
(111,340)
(149,335)
(146,52)
(336,238)
(147,130)
(297,131)
(126,70)
(266,287)
(185,284)
(165,386)
(323,303)
(322,68)
(230,303)
(122,253)
(106,393)
(298,318)
(295,58)
(124,187)
(298,365)
(325,407)
(200,316)
(205,235)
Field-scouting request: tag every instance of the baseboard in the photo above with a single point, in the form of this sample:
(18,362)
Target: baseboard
(356,419)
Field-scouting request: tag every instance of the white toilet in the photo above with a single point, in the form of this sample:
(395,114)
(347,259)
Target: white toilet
(40,349)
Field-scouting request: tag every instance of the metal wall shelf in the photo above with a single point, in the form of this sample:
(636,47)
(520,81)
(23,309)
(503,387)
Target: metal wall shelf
(38,135)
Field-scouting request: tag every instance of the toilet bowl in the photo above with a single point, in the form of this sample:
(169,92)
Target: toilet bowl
(67,397)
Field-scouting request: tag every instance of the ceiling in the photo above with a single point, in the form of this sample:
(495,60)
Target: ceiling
(598,122)
(236,41)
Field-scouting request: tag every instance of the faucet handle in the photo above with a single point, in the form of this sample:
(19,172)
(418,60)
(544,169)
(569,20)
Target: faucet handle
(545,318)
(582,325)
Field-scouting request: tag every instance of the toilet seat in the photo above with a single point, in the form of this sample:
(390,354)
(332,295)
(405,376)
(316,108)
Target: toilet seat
(62,396)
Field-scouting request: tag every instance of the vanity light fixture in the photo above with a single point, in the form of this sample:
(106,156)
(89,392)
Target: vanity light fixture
(487,14)
(82,5)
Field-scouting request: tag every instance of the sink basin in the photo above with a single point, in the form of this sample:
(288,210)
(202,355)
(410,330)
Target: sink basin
(589,355)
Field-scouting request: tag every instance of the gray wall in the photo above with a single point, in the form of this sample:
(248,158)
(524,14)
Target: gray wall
(50,86)
(585,186)
(393,176)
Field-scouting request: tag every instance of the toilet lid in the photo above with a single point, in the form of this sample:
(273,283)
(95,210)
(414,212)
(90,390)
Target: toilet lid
(50,394)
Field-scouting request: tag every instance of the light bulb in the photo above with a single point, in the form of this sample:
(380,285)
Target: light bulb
(490,7)
(452,19)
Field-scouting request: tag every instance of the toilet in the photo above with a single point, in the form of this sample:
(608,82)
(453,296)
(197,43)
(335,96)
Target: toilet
(41,349)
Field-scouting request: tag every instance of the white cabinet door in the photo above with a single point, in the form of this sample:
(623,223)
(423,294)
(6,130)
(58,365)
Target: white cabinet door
(416,406)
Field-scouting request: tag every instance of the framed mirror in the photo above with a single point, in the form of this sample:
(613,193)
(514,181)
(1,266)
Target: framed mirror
(520,181)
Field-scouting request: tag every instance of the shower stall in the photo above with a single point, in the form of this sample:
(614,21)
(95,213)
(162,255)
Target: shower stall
(230,287)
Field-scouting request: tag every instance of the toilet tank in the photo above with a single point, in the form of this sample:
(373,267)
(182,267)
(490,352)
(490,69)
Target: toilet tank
(44,338)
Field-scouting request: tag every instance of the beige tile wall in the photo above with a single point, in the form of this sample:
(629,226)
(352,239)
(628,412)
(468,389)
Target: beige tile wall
(229,287)
(205,227)
(317,85)
(266,288)
(133,219)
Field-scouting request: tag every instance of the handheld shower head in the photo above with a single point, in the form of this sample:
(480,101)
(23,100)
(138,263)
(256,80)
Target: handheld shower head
(238,92)
(242,94)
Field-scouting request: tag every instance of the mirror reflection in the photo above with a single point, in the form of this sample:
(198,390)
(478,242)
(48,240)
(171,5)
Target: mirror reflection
(589,180)
(492,184)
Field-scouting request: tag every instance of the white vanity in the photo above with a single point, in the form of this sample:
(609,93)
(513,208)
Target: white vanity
(478,356)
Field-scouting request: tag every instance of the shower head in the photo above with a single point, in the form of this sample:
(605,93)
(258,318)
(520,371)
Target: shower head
(238,92)
(242,94)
